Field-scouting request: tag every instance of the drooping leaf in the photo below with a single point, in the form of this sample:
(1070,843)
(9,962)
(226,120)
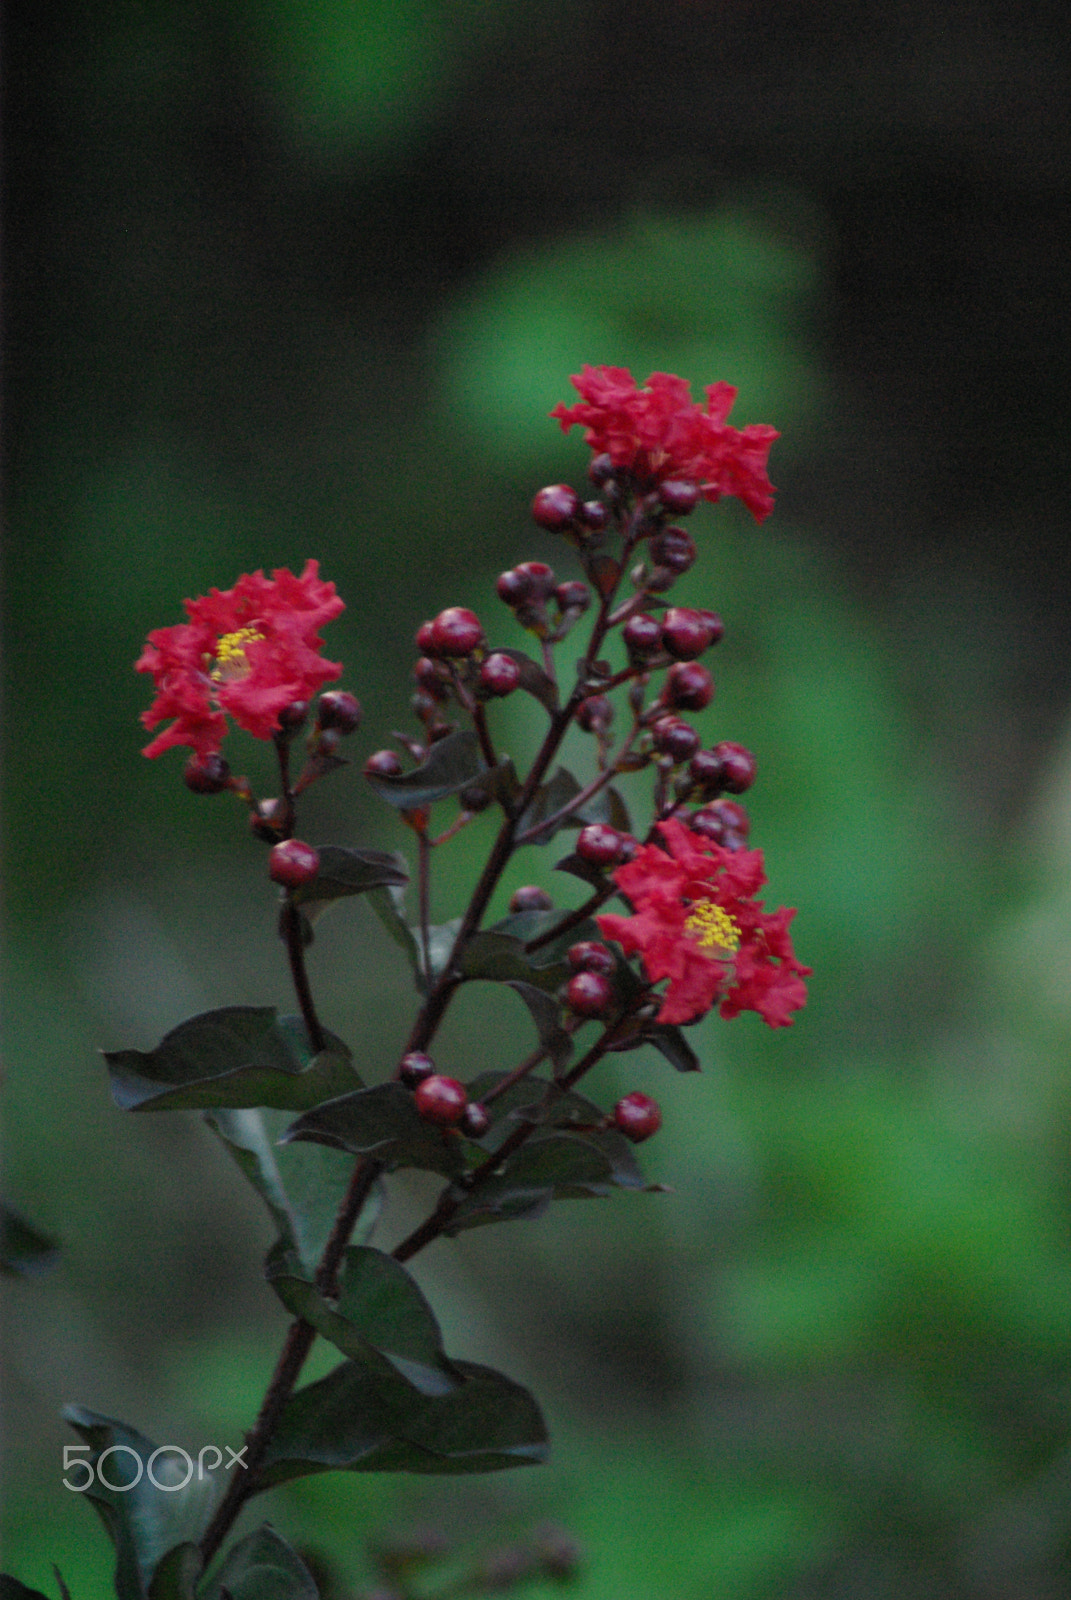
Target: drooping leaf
(176,1576)
(389,906)
(534,680)
(238,1057)
(354,1420)
(671,1043)
(451,765)
(496,957)
(382,1122)
(144,1522)
(301,1185)
(554,1164)
(345,871)
(262,1566)
(12,1589)
(605,806)
(577,867)
(25,1251)
(381,1317)
(547,801)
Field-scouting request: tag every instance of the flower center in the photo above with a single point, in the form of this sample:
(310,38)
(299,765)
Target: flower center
(231,660)
(713,928)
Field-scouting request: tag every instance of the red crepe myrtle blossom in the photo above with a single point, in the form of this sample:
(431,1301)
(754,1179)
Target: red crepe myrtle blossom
(697,923)
(246,653)
(658,432)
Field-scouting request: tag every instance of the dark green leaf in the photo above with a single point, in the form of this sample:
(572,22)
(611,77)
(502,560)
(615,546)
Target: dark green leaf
(262,1567)
(606,806)
(385,1123)
(497,957)
(452,764)
(388,905)
(12,1589)
(528,925)
(534,680)
(585,870)
(176,1576)
(238,1057)
(552,1165)
(143,1522)
(671,1043)
(25,1252)
(302,1185)
(347,872)
(546,803)
(355,1421)
(380,1317)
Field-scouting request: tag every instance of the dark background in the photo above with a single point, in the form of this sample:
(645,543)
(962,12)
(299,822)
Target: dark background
(292,279)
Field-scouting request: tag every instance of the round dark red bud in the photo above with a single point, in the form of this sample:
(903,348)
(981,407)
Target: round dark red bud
(474,798)
(589,994)
(678,496)
(574,596)
(424,705)
(706,770)
(499,674)
(637,1116)
(555,507)
(293,715)
(293,863)
(738,765)
(601,470)
(424,639)
(383,764)
(591,956)
(714,623)
(539,577)
(722,822)
(475,1120)
(674,549)
(594,515)
(511,587)
(599,844)
(206,774)
(642,635)
(415,1067)
(530,898)
(675,738)
(456,632)
(339,709)
(688,686)
(427,675)
(441,1100)
(594,714)
(685,634)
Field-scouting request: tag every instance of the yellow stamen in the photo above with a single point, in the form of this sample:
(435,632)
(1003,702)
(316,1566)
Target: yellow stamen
(230,654)
(713,928)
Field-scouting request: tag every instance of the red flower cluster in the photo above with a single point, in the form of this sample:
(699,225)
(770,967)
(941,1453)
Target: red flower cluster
(697,924)
(659,432)
(245,653)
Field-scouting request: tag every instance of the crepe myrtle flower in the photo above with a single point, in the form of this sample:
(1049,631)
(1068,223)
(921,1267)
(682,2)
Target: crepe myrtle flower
(246,653)
(658,433)
(696,922)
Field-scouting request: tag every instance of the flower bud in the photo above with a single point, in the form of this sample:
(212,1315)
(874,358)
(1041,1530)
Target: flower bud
(637,1116)
(293,863)
(555,507)
(678,496)
(441,1100)
(591,956)
(688,686)
(530,898)
(207,774)
(685,633)
(499,674)
(341,710)
(456,632)
(599,845)
(595,714)
(589,994)
(475,1120)
(738,765)
(383,764)
(415,1067)
(674,737)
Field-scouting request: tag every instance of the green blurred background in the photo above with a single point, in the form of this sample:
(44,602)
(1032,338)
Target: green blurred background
(292,278)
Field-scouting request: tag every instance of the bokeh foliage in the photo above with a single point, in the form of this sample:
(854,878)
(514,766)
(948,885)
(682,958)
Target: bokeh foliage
(246,327)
